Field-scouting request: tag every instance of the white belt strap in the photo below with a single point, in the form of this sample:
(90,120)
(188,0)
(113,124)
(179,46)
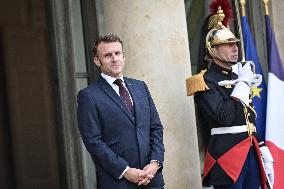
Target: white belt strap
(227,130)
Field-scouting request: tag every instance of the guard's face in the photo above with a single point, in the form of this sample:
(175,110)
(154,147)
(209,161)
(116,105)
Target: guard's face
(227,51)
(110,58)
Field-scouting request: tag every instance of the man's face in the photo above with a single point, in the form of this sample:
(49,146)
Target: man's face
(228,51)
(110,58)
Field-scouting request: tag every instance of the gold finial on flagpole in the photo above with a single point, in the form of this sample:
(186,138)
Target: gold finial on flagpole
(243,8)
(265,2)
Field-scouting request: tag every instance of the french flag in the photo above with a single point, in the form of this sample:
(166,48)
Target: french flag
(274,134)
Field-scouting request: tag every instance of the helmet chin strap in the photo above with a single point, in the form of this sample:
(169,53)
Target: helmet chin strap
(213,54)
(220,61)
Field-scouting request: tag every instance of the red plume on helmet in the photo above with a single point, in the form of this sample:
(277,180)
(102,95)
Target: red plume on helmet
(225,6)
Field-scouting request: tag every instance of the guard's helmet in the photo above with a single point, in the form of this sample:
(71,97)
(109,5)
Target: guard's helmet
(215,31)
(218,33)
(220,36)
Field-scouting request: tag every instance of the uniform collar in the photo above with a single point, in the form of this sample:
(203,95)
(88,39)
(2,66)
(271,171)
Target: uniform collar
(220,70)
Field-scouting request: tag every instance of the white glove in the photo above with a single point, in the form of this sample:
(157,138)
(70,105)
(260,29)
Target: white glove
(245,73)
(227,82)
(241,92)
(235,68)
(268,163)
(256,81)
(247,79)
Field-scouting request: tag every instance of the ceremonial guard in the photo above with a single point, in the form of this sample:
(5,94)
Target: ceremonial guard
(234,158)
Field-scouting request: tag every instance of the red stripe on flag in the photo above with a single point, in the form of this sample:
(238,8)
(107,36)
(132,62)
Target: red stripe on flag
(278,156)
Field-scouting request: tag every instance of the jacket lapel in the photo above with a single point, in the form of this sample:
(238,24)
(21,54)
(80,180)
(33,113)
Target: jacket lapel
(113,96)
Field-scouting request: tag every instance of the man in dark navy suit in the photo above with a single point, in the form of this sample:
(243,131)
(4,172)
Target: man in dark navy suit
(119,124)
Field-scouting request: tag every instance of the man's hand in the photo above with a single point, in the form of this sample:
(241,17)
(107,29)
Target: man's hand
(245,73)
(150,170)
(268,163)
(135,175)
(256,81)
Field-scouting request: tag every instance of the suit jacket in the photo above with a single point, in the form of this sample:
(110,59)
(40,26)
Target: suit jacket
(114,138)
(218,109)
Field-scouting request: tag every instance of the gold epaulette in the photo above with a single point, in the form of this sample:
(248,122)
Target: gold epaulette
(196,83)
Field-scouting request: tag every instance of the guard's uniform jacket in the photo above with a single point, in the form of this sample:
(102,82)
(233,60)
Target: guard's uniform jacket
(226,153)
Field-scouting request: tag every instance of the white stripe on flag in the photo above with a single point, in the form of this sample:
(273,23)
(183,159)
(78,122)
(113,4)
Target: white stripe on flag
(274,114)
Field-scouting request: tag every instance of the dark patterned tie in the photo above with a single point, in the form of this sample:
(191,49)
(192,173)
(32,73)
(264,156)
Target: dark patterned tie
(124,94)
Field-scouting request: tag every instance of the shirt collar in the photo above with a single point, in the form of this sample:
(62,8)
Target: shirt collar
(111,79)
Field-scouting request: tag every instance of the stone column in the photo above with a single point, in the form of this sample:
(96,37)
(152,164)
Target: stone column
(276,15)
(156,46)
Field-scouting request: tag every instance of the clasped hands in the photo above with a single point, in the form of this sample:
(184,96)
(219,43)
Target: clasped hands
(245,74)
(142,177)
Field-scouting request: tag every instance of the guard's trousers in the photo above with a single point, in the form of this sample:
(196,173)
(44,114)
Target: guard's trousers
(250,175)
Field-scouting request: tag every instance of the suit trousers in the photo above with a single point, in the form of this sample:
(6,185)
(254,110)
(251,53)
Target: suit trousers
(250,175)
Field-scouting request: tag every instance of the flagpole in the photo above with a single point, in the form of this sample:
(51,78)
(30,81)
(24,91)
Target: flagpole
(266,12)
(240,25)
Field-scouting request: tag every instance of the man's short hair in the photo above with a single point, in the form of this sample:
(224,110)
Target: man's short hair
(107,38)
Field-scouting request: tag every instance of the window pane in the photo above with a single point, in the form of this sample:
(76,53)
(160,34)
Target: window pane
(81,83)
(77,37)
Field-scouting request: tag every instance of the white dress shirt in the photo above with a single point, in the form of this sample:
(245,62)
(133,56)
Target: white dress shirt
(115,87)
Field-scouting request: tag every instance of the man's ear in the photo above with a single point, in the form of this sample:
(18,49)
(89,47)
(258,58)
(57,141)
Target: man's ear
(97,61)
